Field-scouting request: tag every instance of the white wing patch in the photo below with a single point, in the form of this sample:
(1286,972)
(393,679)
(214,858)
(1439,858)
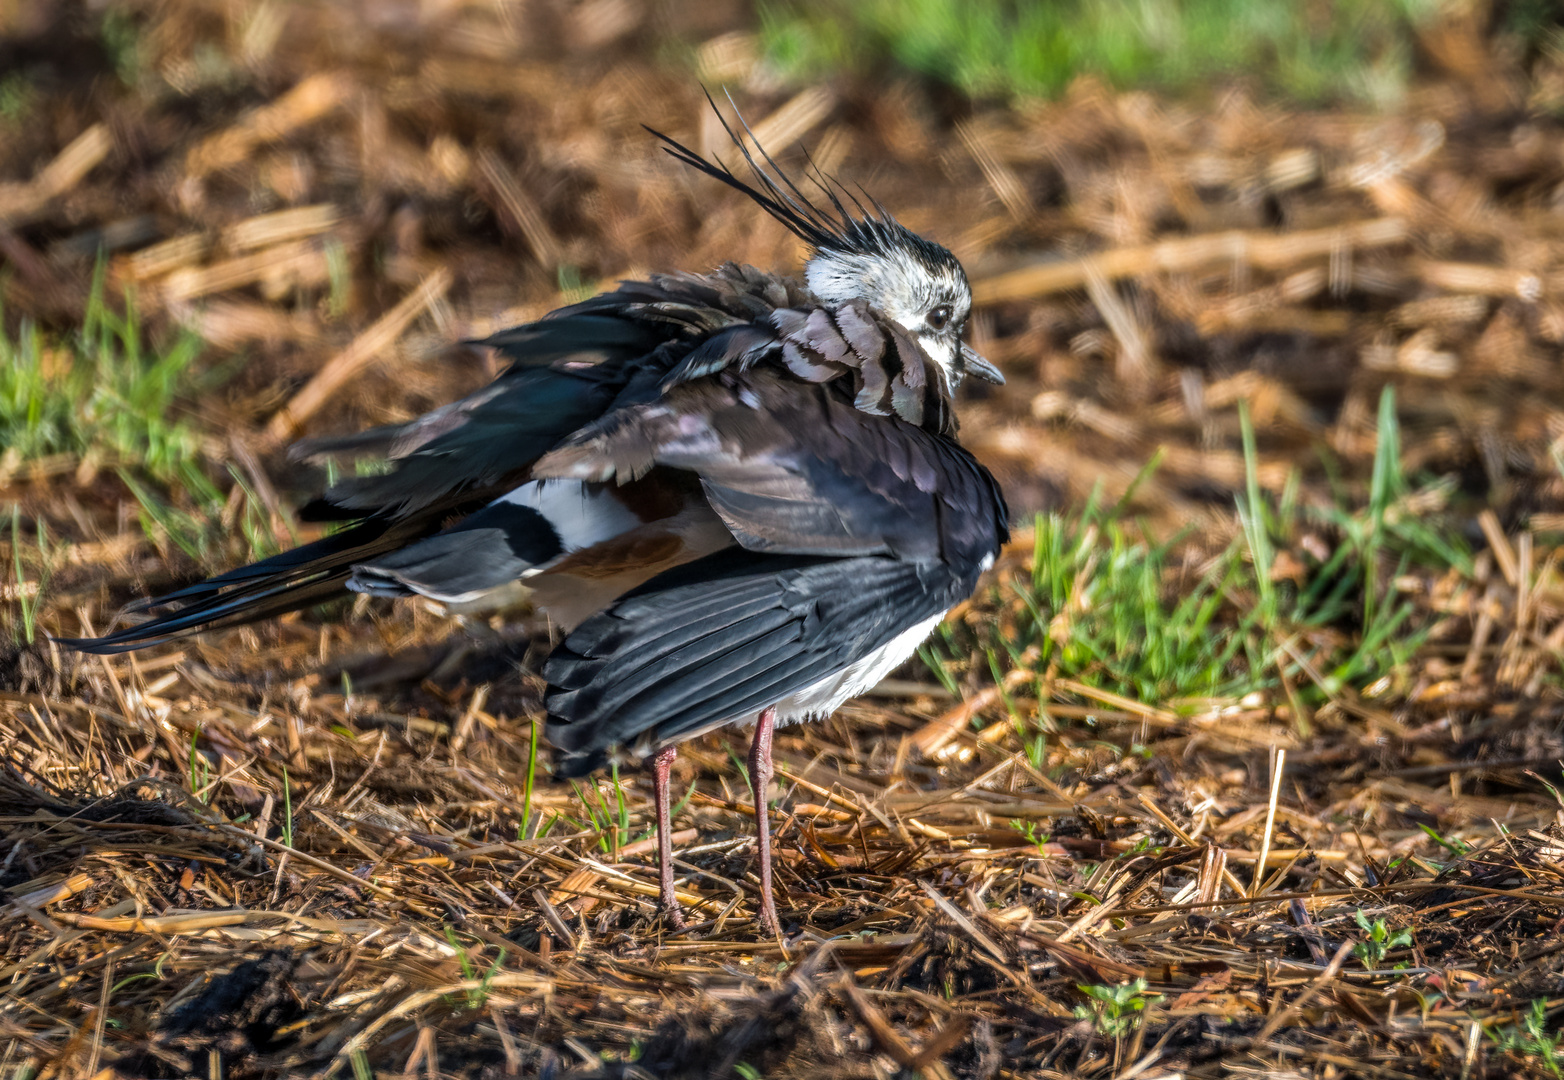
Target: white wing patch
(581,515)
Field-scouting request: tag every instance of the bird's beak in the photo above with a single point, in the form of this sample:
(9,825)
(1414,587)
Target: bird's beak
(977,365)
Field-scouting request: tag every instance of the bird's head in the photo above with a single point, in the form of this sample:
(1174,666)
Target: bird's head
(863,253)
(914,282)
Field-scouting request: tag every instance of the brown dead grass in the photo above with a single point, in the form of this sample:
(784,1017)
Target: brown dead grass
(341,191)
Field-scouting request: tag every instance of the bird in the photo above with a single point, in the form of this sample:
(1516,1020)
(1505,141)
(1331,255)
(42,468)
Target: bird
(740,495)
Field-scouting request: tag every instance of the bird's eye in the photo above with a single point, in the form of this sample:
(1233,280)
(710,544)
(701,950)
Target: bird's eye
(939,317)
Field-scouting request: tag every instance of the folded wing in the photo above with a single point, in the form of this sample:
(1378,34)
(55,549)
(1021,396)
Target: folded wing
(856,533)
(720,639)
(796,468)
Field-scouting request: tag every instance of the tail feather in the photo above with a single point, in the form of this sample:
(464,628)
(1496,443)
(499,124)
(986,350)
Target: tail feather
(311,574)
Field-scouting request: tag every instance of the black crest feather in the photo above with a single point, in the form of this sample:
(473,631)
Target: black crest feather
(871,231)
(835,227)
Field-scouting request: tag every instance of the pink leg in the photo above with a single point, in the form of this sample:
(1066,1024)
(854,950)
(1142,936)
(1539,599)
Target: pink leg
(760,781)
(661,764)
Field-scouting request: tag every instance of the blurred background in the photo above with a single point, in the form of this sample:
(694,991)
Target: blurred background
(1304,260)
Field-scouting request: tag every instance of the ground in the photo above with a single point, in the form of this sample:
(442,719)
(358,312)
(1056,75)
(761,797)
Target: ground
(1241,761)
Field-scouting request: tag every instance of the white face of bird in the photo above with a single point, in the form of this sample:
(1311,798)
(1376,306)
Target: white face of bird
(912,282)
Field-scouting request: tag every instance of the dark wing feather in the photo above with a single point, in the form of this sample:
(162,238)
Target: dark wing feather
(487,550)
(737,346)
(449,462)
(793,468)
(567,369)
(602,341)
(721,638)
(478,448)
(574,335)
(854,529)
(310,574)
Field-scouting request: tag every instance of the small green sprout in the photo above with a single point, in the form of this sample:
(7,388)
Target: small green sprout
(1379,942)
(1028,829)
(477,996)
(1115,1011)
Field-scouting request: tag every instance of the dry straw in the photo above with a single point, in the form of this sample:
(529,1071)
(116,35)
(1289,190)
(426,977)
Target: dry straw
(302,847)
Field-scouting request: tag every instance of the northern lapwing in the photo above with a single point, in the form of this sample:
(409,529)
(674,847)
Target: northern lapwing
(741,494)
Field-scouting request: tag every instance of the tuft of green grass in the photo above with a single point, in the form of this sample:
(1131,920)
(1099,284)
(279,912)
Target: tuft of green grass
(477,996)
(199,771)
(1534,1036)
(1028,829)
(121,38)
(1454,845)
(1108,606)
(287,808)
(607,815)
(29,593)
(17,97)
(572,286)
(102,392)
(528,828)
(1097,607)
(1340,49)
(107,395)
(340,277)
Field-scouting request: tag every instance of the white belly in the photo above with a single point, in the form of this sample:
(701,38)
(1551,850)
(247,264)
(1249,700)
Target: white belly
(826,696)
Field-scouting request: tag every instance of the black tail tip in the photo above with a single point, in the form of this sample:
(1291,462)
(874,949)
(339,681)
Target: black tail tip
(108,645)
